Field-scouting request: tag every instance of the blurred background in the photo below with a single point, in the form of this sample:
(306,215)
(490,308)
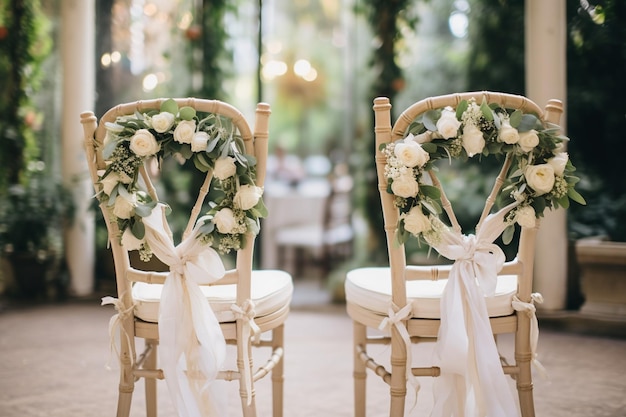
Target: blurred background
(319,63)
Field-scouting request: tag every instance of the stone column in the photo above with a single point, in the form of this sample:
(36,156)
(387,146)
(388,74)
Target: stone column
(77,51)
(545,38)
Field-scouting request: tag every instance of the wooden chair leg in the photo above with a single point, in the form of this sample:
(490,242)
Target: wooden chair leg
(523,358)
(360,374)
(278,377)
(397,388)
(126,388)
(151,383)
(248,410)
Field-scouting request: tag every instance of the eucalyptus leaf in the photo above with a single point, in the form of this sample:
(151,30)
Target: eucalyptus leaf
(507,235)
(109,148)
(429,120)
(138,229)
(460,109)
(169,106)
(486,111)
(187,113)
(515,118)
(143,210)
(527,123)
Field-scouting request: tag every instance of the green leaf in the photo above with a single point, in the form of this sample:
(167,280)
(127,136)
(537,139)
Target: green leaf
(516,118)
(430,191)
(143,210)
(429,120)
(138,229)
(198,163)
(187,113)
(575,196)
(528,122)
(507,235)
(486,110)
(460,109)
(169,106)
(108,149)
(429,147)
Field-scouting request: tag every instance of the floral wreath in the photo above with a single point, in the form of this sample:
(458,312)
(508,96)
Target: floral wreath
(212,142)
(540,175)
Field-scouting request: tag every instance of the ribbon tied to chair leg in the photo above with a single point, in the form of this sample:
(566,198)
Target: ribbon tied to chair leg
(531,311)
(472,382)
(116,323)
(250,332)
(395,318)
(192,348)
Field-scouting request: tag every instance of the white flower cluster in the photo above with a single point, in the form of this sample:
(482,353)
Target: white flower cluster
(541,172)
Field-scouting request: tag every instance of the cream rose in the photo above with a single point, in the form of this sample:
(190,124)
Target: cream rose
(123,208)
(143,143)
(199,142)
(225,221)
(540,178)
(508,134)
(224,168)
(185,131)
(129,241)
(424,137)
(415,222)
(525,216)
(405,186)
(410,153)
(528,140)
(247,196)
(448,125)
(162,122)
(472,140)
(558,162)
(110,182)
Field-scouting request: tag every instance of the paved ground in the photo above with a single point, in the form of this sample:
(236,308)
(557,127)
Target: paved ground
(53,357)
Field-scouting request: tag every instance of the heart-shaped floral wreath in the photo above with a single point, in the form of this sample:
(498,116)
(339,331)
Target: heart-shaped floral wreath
(539,177)
(212,142)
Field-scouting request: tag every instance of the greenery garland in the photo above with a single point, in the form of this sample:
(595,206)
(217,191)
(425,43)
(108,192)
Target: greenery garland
(540,175)
(213,144)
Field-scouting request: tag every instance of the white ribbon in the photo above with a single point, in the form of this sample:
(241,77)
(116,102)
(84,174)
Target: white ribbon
(191,346)
(472,382)
(116,322)
(394,319)
(250,331)
(531,311)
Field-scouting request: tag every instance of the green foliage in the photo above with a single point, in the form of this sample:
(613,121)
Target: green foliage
(24,45)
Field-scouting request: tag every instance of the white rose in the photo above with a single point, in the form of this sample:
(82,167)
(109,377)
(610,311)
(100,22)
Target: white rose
(448,125)
(143,143)
(558,162)
(199,142)
(528,140)
(540,178)
(473,140)
(185,131)
(123,209)
(224,168)
(129,241)
(110,182)
(225,221)
(405,186)
(526,217)
(247,196)
(415,222)
(410,153)
(508,134)
(162,122)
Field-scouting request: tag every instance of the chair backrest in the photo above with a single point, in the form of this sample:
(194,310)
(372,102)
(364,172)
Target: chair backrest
(225,135)
(449,134)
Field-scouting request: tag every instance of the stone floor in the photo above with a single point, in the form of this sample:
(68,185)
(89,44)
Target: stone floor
(53,359)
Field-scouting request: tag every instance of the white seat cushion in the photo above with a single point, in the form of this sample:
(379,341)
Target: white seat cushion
(371,288)
(270,290)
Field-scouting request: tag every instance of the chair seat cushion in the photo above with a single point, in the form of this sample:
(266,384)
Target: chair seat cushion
(370,288)
(270,291)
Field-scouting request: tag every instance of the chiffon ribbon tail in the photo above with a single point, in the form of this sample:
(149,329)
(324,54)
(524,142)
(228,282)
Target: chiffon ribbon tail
(531,311)
(251,331)
(116,322)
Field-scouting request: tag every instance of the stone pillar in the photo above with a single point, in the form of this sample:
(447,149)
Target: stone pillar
(77,51)
(545,37)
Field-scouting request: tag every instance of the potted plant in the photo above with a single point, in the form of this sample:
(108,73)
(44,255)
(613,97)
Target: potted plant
(32,217)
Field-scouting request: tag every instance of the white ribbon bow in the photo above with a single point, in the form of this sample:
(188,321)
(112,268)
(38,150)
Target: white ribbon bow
(531,311)
(250,332)
(472,382)
(191,347)
(116,322)
(394,319)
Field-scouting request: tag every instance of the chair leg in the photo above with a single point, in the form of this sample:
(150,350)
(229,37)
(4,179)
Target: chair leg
(523,357)
(278,377)
(126,388)
(397,387)
(360,374)
(151,383)
(248,410)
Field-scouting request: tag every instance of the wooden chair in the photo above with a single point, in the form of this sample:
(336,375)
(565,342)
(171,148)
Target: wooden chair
(416,303)
(245,304)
